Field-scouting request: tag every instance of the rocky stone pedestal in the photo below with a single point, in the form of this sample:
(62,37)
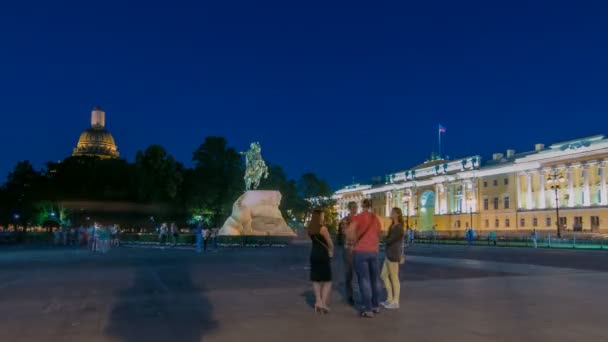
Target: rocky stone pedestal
(256,212)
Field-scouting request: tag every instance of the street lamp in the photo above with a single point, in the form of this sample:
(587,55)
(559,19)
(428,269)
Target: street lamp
(406,202)
(16,218)
(555,182)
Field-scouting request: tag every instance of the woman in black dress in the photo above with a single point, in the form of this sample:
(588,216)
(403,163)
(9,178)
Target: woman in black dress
(320,261)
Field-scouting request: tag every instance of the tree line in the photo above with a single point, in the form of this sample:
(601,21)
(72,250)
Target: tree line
(207,189)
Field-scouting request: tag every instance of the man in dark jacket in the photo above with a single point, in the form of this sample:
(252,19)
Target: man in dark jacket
(348,252)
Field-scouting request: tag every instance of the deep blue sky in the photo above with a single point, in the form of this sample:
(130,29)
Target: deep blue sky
(340,89)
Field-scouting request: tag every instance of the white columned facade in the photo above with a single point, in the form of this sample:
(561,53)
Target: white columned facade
(542,192)
(437,209)
(529,199)
(474,201)
(571,198)
(602,167)
(518,191)
(586,188)
(444,199)
(464,198)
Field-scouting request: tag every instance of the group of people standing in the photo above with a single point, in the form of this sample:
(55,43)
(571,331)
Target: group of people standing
(96,238)
(166,232)
(362,234)
(203,236)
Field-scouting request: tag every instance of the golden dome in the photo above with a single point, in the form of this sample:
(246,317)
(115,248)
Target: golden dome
(96,141)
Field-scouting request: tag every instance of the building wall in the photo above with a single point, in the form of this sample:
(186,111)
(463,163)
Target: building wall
(505,195)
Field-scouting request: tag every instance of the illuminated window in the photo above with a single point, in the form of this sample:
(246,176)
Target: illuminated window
(507,223)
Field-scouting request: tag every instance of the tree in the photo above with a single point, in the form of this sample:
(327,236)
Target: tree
(310,186)
(158,176)
(292,204)
(91,178)
(21,192)
(217,180)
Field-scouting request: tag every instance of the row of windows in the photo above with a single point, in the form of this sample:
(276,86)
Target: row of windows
(522,223)
(495,182)
(578,221)
(506,203)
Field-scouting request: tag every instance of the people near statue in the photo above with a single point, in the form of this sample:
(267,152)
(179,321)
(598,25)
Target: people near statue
(174,233)
(390,268)
(64,235)
(199,236)
(492,238)
(57,237)
(348,252)
(72,237)
(114,235)
(320,261)
(469,235)
(206,237)
(534,237)
(162,233)
(91,237)
(366,230)
(214,235)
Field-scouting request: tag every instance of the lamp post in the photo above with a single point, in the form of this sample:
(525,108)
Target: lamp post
(16,218)
(471,216)
(406,202)
(555,182)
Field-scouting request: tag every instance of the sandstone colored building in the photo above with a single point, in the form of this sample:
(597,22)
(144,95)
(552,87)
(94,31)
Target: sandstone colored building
(511,192)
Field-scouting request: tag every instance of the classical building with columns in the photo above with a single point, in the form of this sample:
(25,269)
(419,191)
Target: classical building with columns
(511,192)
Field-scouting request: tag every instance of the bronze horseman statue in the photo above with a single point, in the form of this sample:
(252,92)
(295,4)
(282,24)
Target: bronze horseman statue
(255,166)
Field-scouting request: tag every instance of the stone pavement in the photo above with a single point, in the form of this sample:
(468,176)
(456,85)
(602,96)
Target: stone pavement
(450,293)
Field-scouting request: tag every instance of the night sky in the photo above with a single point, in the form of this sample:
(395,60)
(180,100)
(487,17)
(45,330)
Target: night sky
(340,89)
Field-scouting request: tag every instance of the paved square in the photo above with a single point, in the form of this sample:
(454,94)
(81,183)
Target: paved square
(450,293)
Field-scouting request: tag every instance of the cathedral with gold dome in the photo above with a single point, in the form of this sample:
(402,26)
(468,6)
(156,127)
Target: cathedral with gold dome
(96,141)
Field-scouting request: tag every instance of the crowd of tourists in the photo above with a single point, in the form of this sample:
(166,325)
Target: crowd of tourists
(362,234)
(96,238)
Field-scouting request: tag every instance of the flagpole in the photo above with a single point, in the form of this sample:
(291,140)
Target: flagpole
(439,139)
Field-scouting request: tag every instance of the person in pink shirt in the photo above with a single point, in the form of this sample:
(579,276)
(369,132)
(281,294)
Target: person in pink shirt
(365,230)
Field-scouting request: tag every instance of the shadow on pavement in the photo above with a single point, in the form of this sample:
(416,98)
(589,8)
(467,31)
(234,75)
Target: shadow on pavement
(163,303)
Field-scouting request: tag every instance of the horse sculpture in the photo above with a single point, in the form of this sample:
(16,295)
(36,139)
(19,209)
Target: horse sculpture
(255,167)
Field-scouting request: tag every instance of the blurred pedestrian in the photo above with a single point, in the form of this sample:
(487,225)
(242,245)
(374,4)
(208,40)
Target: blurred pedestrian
(174,233)
(199,236)
(349,243)
(206,236)
(320,261)
(390,269)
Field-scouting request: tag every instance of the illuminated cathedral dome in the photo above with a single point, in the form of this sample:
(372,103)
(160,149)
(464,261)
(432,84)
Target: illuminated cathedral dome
(96,141)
